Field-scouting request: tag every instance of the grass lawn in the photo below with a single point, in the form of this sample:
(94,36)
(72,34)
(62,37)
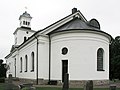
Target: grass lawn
(51,88)
(2,87)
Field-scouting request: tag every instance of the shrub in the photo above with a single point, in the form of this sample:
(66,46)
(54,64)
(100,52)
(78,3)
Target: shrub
(2,80)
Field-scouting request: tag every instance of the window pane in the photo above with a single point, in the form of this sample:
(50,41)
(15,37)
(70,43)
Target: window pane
(32,62)
(100,59)
(21,64)
(26,63)
(23,22)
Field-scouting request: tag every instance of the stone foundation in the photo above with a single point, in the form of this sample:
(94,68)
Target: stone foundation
(76,83)
(100,82)
(73,83)
(33,81)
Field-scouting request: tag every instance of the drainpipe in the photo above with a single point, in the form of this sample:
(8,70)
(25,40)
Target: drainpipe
(49,59)
(36,60)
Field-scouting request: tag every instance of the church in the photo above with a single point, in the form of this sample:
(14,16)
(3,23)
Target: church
(71,45)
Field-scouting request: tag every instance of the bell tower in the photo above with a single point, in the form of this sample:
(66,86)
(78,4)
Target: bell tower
(23,32)
(25,20)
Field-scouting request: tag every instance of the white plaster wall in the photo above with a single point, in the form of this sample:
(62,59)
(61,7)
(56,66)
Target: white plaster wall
(27,50)
(21,34)
(43,58)
(82,55)
(17,65)
(11,62)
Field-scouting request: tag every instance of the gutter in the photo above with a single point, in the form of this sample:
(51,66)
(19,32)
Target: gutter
(36,60)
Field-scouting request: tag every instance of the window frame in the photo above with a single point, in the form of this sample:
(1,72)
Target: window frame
(32,61)
(100,59)
(26,63)
(21,62)
(24,22)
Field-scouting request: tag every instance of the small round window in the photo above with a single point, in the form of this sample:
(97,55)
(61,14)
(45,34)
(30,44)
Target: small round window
(64,51)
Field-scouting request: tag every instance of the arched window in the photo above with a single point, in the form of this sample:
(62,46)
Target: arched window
(25,38)
(24,22)
(26,63)
(28,23)
(100,58)
(20,64)
(32,61)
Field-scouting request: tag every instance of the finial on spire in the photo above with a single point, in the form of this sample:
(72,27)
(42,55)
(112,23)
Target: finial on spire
(26,8)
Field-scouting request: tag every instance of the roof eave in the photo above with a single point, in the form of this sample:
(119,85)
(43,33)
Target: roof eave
(95,30)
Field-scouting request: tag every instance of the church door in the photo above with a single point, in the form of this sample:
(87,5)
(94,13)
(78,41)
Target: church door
(64,68)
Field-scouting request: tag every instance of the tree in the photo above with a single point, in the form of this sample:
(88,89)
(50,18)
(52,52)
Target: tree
(2,69)
(115,58)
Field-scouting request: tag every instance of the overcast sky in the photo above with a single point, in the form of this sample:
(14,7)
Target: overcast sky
(46,12)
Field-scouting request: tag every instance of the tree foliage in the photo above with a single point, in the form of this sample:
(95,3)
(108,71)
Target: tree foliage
(115,58)
(2,69)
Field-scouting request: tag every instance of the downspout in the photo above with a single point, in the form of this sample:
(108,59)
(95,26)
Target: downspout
(49,59)
(36,60)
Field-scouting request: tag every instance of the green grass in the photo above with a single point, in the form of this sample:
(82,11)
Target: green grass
(52,88)
(2,87)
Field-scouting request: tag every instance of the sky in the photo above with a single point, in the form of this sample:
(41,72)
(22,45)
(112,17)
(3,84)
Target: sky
(46,12)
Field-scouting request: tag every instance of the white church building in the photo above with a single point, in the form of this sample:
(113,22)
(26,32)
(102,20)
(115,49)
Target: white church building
(71,45)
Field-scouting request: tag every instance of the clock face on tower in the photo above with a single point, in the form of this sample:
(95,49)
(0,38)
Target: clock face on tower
(64,51)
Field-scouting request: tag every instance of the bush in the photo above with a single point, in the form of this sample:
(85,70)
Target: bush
(2,80)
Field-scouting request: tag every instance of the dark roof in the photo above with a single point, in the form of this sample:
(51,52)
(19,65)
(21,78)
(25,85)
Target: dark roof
(76,23)
(53,24)
(25,14)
